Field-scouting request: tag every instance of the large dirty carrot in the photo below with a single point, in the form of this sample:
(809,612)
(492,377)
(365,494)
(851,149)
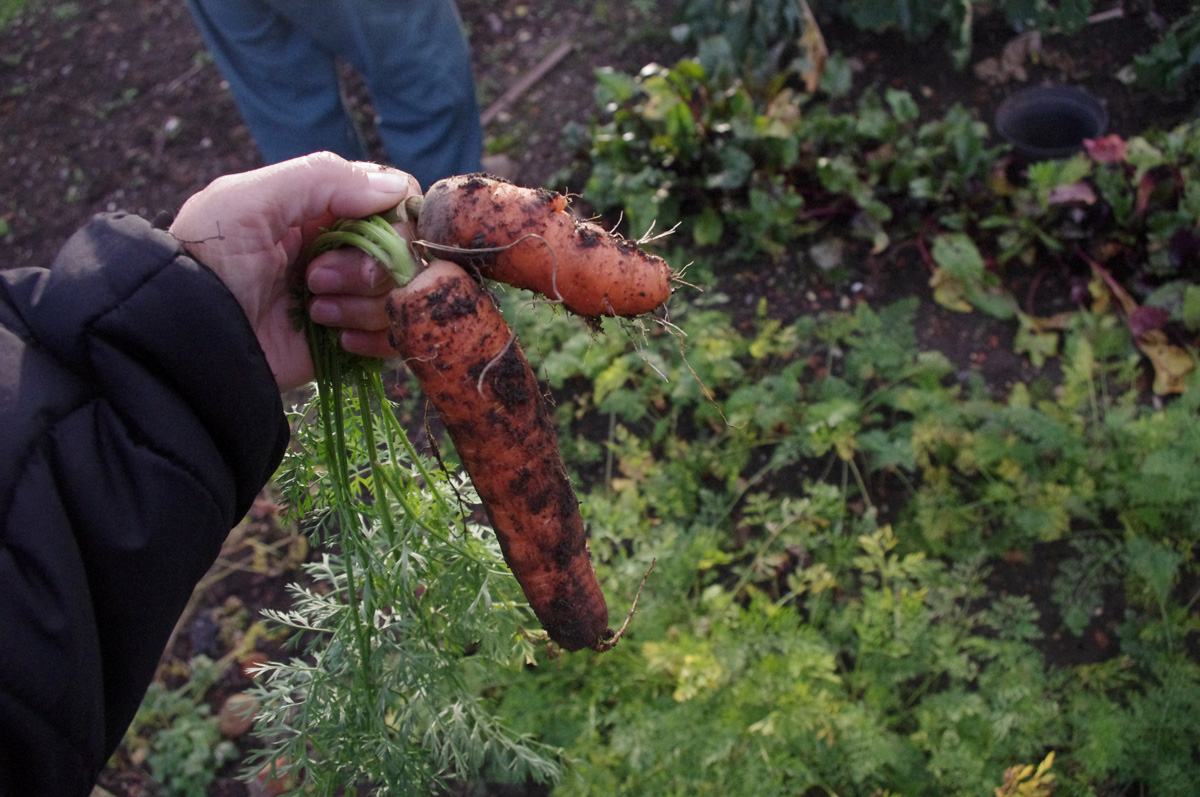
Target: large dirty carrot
(470,367)
(528,238)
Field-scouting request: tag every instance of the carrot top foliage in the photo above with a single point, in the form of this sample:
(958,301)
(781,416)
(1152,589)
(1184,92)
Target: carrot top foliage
(407,614)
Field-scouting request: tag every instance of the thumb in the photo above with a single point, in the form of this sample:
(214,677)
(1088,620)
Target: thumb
(321,185)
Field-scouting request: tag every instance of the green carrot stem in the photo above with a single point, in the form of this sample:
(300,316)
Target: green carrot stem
(398,431)
(378,482)
(375,236)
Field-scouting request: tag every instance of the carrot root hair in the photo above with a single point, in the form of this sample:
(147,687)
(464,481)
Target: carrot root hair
(604,645)
(512,337)
(493,250)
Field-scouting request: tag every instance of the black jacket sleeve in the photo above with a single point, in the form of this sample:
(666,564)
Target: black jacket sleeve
(138,420)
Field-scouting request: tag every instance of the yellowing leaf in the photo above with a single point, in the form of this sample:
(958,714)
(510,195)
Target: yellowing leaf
(1101,295)
(610,379)
(700,672)
(1008,470)
(1023,781)
(948,291)
(845,445)
(1127,302)
(1171,363)
(1037,338)
(1018,397)
(1047,762)
(766,725)
(812,44)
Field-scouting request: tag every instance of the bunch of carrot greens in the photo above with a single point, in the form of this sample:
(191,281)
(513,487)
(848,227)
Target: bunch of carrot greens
(407,613)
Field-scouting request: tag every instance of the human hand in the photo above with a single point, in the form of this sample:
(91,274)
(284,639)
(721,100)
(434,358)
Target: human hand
(251,230)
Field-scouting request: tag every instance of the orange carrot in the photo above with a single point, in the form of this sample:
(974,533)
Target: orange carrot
(526,237)
(455,341)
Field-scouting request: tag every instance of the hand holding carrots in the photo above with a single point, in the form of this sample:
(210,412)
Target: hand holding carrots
(251,229)
(453,337)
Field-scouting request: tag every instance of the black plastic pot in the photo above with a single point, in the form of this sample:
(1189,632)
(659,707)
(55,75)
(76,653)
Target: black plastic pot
(1049,122)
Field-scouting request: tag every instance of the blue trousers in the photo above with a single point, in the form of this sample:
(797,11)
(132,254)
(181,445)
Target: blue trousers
(280,60)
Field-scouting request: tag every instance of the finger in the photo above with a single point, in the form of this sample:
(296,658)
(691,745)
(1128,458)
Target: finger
(349,312)
(348,271)
(368,344)
(321,185)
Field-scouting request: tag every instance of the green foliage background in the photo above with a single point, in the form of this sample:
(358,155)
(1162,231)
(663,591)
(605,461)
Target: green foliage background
(791,639)
(829,503)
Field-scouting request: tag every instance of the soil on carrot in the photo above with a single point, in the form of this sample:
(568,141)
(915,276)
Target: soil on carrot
(115,105)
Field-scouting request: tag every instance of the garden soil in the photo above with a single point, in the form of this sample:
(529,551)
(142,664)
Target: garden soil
(115,105)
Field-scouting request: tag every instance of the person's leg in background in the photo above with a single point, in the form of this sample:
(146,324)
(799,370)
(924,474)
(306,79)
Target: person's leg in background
(416,63)
(285,84)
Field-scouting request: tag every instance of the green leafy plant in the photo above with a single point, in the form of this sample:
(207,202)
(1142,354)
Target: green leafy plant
(819,648)
(178,736)
(829,503)
(750,176)
(755,175)
(954,20)
(759,41)
(1173,60)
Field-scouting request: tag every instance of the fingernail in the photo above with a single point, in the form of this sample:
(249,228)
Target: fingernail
(372,274)
(324,280)
(324,312)
(388,182)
